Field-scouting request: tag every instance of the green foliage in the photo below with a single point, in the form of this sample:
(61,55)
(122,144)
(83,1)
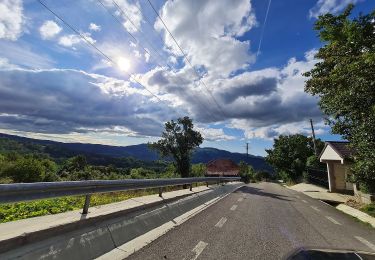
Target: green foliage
(344,80)
(178,141)
(22,210)
(30,169)
(198,170)
(289,155)
(369,209)
(246,172)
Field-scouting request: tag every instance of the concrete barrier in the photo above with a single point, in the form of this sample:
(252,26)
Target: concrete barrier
(99,236)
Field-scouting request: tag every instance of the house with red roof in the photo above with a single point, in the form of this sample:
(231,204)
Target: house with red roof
(222,167)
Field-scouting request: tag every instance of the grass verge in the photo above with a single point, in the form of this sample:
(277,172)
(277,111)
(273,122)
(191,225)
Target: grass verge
(369,209)
(29,209)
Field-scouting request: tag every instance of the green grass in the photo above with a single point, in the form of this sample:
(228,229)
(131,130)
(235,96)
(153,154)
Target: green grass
(29,209)
(369,209)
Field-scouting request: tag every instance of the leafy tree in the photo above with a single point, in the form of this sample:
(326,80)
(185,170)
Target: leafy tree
(198,170)
(289,155)
(344,80)
(25,170)
(78,163)
(246,172)
(313,162)
(178,141)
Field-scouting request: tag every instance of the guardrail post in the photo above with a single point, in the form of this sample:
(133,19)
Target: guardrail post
(191,186)
(86,205)
(160,192)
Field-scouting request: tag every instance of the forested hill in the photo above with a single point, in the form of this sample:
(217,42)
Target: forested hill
(106,154)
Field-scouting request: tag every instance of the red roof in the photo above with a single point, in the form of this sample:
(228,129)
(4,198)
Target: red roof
(222,167)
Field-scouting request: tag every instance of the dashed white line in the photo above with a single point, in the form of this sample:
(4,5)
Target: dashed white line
(315,208)
(304,201)
(333,220)
(221,222)
(367,243)
(234,207)
(240,199)
(197,250)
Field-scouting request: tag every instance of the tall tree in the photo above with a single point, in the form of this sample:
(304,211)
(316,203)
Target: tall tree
(178,141)
(344,79)
(290,153)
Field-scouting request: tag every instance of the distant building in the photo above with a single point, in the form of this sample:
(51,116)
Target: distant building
(337,157)
(222,167)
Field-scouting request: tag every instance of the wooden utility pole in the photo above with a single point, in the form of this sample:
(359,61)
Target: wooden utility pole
(313,136)
(247,150)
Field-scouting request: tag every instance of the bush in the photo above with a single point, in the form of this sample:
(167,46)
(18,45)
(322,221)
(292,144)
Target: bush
(25,170)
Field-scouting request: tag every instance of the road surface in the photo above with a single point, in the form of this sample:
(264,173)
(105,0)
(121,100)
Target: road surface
(260,221)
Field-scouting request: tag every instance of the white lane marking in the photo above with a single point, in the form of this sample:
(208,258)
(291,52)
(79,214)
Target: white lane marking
(333,220)
(367,243)
(234,207)
(198,249)
(240,199)
(304,201)
(315,208)
(221,222)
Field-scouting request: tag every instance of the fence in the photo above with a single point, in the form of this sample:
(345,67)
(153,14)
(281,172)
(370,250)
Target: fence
(42,190)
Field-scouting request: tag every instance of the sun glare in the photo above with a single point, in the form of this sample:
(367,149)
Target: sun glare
(123,64)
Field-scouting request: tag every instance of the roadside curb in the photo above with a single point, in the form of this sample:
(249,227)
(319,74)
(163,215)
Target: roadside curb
(362,216)
(101,237)
(357,214)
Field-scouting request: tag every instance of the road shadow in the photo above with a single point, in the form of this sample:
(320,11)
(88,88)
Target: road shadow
(261,192)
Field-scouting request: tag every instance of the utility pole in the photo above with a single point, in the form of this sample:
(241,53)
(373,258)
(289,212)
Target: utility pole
(313,136)
(247,150)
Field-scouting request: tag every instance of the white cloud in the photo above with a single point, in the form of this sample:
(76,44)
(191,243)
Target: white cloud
(11,19)
(214,134)
(206,32)
(22,55)
(257,102)
(5,64)
(72,39)
(129,12)
(147,57)
(330,6)
(49,29)
(94,27)
(61,101)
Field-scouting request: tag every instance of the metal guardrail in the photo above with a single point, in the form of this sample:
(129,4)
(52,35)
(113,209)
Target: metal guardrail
(16,192)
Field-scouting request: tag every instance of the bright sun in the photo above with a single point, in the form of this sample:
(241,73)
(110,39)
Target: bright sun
(123,64)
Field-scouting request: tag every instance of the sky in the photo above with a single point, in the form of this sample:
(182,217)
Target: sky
(111,72)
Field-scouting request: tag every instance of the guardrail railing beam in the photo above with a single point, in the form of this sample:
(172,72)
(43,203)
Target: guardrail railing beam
(16,192)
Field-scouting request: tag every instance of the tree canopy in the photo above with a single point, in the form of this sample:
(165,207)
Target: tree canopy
(344,80)
(178,141)
(290,154)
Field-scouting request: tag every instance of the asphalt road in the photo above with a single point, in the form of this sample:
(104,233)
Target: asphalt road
(260,221)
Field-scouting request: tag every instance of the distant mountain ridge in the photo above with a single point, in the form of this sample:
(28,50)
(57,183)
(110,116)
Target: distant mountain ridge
(140,151)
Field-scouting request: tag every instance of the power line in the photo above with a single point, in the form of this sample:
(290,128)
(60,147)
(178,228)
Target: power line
(186,58)
(97,49)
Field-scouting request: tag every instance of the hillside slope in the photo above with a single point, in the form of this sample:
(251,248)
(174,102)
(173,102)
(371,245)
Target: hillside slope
(95,151)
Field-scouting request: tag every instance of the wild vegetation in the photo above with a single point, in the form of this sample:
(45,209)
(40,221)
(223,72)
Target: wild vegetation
(25,162)
(344,80)
(178,141)
(291,154)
